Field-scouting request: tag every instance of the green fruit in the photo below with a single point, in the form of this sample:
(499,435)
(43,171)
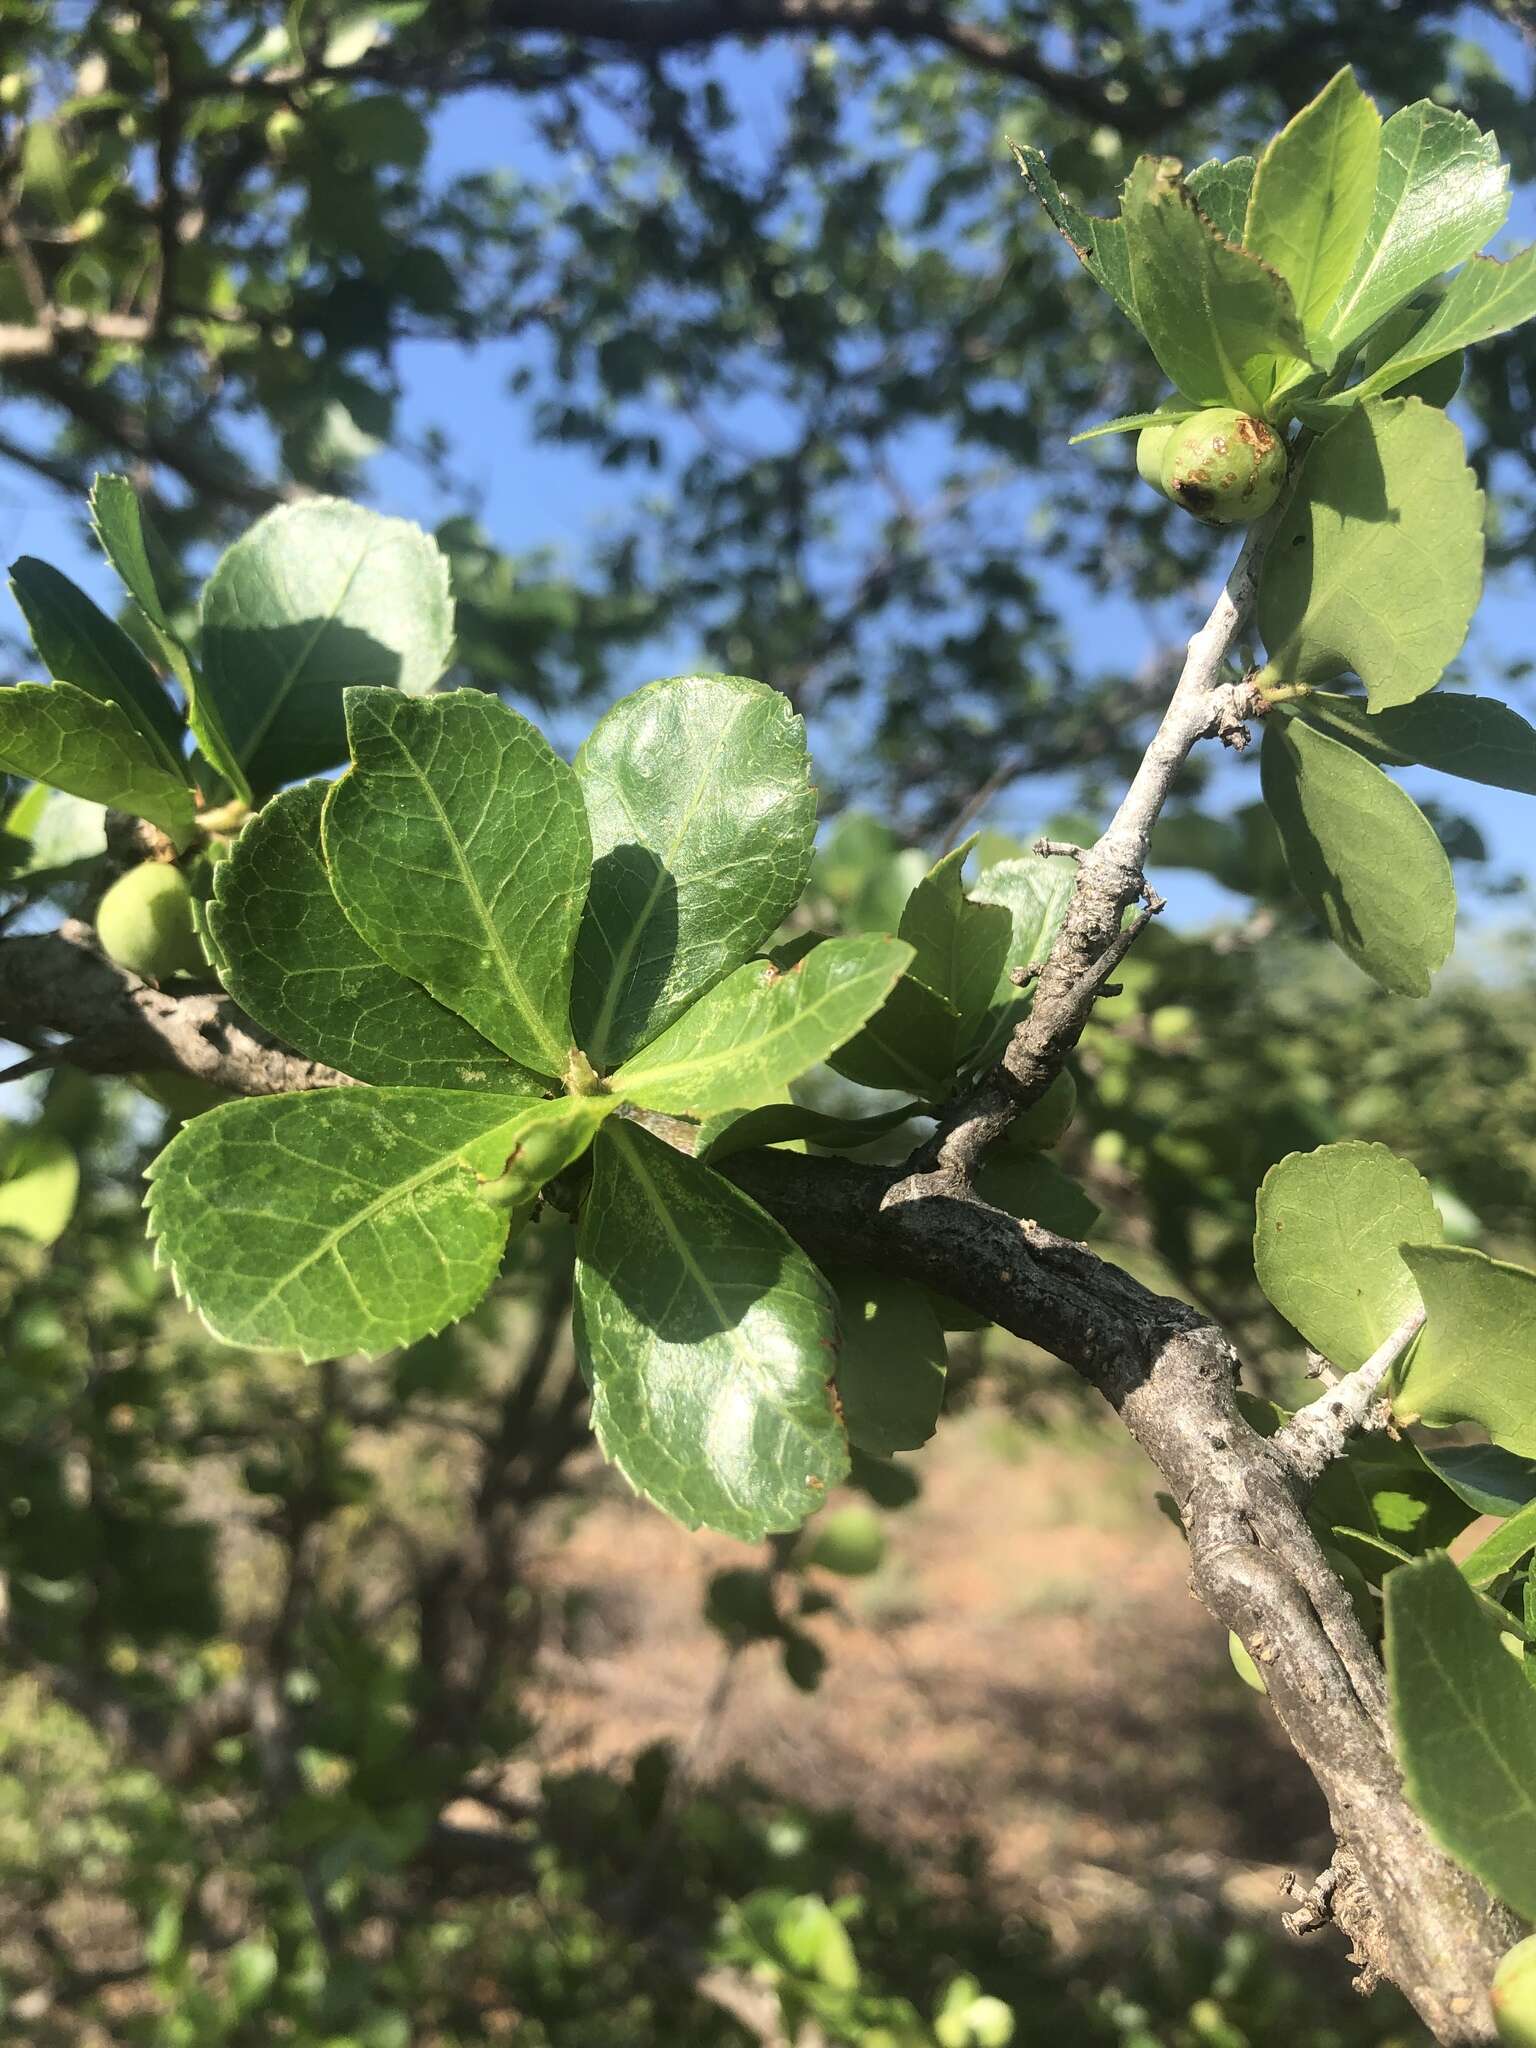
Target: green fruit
(1151,446)
(850,1541)
(1045,1122)
(1225,467)
(144,923)
(1514,1995)
(184,1095)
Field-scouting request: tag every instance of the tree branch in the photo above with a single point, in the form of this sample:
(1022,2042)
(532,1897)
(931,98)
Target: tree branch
(1320,1432)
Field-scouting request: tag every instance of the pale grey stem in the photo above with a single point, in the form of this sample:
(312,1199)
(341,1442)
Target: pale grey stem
(1320,1432)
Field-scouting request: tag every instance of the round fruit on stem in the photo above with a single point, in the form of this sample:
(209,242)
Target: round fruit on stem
(144,922)
(1225,467)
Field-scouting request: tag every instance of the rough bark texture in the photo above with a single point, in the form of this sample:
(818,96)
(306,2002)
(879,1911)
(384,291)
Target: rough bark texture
(1412,1915)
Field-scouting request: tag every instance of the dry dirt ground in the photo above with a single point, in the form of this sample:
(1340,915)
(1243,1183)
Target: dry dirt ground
(1027,1669)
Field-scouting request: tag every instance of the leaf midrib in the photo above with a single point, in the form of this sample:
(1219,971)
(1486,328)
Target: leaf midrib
(398,1190)
(636,1070)
(522,1001)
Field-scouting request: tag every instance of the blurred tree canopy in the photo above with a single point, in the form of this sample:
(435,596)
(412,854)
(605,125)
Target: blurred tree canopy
(833,353)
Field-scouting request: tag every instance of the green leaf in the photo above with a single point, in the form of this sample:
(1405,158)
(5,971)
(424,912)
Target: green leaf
(315,598)
(1381,1498)
(1464,1720)
(892,1363)
(1313,194)
(740,1045)
(349,1219)
(960,944)
(1477,738)
(1132,422)
(39,1181)
(1377,563)
(1222,191)
(780,1123)
(121,527)
(1033,1187)
(1328,1229)
(289,956)
(1035,890)
(909,1045)
(79,644)
(1509,1545)
(1099,245)
(1362,854)
(703,820)
(1490,1480)
(709,1341)
(1476,1358)
(1221,323)
(458,847)
(62,735)
(1484,299)
(1440,193)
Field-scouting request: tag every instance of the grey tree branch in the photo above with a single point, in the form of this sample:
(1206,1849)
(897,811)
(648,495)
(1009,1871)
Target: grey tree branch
(1320,1432)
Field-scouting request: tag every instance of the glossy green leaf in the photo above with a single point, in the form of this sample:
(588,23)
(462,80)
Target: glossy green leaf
(315,598)
(79,644)
(1482,300)
(1476,1359)
(1099,245)
(351,1219)
(121,527)
(960,944)
(739,1046)
(1329,1227)
(703,821)
(39,1183)
(1440,194)
(458,847)
(1492,1481)
(1508,1546)
(891,1363)
(1381,1499)
(1464,1722)
(1035,890)
(1033,1187)
(289,956)
(1222,190)
(1477,738)
(1221,323)
(709,1341)
(780,1123)
(1377,563)
(1362,854)
(1313,194)
(62,735)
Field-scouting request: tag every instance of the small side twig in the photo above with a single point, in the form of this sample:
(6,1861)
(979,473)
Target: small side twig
(1320,1432)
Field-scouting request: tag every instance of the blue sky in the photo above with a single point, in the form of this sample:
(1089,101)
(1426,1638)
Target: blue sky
(537,496)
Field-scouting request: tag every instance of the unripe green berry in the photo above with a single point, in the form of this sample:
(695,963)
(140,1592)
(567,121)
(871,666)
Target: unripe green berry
(850,1541)
(1514,1995)
(1225,467)
(144,923)
(1151,446)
